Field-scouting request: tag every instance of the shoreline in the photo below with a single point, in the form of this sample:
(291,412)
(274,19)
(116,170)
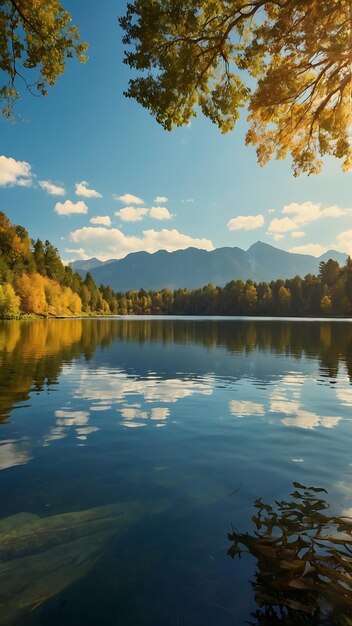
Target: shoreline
(174,317)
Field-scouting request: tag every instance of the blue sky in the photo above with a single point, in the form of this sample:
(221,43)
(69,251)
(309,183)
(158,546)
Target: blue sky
(217,195)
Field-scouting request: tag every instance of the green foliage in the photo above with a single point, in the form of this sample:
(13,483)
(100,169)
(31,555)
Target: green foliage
(36,40)
(303,560)
(330,293)
(197,54)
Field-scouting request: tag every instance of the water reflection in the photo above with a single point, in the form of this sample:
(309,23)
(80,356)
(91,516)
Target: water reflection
(33,354)
(303,561)
(164,419)
(14,453)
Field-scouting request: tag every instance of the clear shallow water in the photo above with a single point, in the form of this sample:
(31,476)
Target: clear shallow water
(129,448)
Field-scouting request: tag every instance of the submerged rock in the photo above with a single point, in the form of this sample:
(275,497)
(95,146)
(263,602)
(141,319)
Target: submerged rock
(40,557)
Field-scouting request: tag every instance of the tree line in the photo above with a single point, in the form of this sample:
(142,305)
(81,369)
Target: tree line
(329,293)
(34,280)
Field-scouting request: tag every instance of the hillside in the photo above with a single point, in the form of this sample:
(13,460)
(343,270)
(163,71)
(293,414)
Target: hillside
(193,268)
(34,280)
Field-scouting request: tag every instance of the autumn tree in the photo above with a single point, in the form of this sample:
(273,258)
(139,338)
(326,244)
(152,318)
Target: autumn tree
(31,290)
(9,302)
(36,40)
(289,62)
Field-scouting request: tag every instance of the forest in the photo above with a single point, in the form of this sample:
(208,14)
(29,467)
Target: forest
(34,280)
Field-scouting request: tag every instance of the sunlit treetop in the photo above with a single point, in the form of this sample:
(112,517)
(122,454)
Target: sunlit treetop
(289,62)
(36,38)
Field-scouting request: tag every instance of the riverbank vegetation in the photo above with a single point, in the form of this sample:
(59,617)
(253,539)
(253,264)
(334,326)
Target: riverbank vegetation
(34,280)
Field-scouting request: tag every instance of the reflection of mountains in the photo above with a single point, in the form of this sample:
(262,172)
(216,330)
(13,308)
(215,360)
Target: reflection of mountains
(32,353)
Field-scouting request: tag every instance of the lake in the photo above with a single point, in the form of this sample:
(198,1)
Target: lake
(129,449)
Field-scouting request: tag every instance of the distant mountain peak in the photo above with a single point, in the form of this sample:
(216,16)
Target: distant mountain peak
(193,267)
(259,244)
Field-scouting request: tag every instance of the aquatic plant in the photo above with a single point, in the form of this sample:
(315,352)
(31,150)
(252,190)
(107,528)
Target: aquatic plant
(303,561)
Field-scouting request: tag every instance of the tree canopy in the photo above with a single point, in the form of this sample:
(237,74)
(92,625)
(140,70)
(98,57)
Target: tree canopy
(36,40)
(288,61)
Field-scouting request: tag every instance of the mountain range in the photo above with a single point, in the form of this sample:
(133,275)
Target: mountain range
(192,268)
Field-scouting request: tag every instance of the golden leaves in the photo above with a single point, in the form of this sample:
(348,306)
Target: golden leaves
(299,53)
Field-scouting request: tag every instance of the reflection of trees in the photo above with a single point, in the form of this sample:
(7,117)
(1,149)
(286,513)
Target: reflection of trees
(303,561)
(32,352)
(330,342)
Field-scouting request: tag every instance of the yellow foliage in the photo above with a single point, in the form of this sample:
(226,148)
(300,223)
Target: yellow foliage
(43,296)
(9,302)
(31,290)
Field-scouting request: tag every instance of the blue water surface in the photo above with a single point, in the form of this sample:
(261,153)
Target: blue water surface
(129,448)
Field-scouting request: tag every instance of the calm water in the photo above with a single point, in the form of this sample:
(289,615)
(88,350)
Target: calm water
(129,448)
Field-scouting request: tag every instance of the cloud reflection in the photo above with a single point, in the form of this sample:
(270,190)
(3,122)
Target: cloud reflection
(115,385)
(287,400)
(14,453)
(105,388)
(245,408)
(131,413)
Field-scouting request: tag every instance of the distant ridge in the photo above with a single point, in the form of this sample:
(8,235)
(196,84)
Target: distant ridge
(193,268)
(87,264)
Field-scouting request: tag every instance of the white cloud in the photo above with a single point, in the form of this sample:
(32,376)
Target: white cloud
(51,188)
(160,213)
(104,220)
(335,211)
(344,241)
(303,213)
(246,222)
(278,237)
(131,214)
(78,252)
(271,211)
(129,198)
(281,225)
(68,207)
(296,234)
(107,243)
(134,214)
(161,199)
(310,211)
(14,172)
(187,200)
(315,249)
(298,215)
(82,190)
